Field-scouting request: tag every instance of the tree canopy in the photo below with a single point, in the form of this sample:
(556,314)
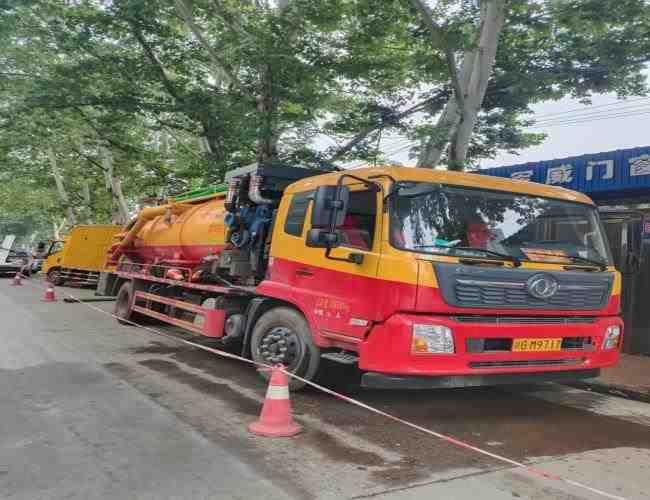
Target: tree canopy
(167,95)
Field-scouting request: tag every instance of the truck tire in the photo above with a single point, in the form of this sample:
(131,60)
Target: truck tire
(283,327)
(124,306)
(54,276)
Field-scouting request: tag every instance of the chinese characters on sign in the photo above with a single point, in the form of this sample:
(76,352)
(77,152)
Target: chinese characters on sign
(559,175)
(609,169)
(640,165)
(524,175)
(594,169)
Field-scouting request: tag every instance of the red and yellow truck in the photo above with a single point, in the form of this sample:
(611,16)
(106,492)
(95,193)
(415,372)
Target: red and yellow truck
(423,278)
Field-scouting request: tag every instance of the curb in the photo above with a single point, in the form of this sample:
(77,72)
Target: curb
(612,390)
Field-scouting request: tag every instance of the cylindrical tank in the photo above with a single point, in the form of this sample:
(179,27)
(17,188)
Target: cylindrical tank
(187,235)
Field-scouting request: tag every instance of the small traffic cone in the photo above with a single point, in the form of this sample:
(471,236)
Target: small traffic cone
(49,296)
(276,419)
(17,281)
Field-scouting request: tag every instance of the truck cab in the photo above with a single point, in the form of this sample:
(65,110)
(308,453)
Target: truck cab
(438,279)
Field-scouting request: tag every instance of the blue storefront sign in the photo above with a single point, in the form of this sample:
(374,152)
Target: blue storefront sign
(614,174)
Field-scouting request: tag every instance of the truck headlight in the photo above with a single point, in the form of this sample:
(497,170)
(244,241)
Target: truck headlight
(612,337)
(432,339)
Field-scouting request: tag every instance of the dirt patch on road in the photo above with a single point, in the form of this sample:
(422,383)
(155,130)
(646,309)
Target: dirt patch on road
(157,348)
(224,392)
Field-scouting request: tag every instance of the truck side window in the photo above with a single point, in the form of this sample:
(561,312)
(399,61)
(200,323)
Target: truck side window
(296,214)
(358,229)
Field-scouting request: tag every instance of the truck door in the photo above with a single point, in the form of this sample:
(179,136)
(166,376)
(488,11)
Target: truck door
(341,296)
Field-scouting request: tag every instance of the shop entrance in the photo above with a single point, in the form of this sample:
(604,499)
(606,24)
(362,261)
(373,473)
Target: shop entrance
(631,252)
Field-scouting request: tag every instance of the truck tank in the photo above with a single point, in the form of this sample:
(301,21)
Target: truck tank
(184,233)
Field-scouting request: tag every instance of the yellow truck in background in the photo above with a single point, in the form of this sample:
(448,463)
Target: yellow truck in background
(80,256)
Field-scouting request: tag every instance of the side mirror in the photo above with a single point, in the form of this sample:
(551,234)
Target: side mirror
(330,206)
(322,238)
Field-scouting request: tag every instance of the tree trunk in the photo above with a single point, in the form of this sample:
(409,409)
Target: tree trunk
(457,122)
(118,196)
(267,104)
(57,228)
(448,121)
(86,193)
(492,26)
(219,72)
(60,187)
(120,210)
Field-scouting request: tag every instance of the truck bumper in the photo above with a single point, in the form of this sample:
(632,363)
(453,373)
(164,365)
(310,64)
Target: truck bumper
(10,268)
(482,348)
(374,380)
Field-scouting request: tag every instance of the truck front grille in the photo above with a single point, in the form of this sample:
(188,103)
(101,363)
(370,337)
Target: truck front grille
(473,293)
(507,288)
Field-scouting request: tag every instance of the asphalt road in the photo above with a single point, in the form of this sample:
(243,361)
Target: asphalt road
(93,409)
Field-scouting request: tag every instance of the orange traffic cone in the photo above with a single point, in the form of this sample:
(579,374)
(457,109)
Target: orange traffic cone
(17,281)
(276,419)
(49,294)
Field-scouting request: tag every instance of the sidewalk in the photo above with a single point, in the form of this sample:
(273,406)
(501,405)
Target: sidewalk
(630,378)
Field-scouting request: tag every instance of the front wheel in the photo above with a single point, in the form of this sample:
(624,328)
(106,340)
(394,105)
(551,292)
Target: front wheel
(282,336)
(54,277)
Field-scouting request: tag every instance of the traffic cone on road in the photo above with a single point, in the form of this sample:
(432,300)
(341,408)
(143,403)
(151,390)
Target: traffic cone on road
(276,419)
(17,281)
(49,296)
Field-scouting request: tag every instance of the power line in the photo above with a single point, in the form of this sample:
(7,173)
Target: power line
(577,121)
(409,144)
(402,145)
(590,107)
(598,114)
(595,114)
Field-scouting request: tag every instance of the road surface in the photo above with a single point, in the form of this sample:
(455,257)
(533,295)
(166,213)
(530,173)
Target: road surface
(93,409)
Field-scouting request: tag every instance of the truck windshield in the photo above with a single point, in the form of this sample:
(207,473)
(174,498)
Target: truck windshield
(443,219)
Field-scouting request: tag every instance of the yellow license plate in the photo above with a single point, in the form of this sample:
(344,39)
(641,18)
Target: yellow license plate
(536,345)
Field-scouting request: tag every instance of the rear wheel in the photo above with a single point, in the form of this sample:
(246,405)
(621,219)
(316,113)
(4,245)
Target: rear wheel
(282,336)
(54,276)
(124,306)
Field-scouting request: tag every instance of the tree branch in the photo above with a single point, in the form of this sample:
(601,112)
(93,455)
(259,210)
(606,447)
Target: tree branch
(439,39)
(219,70)
(127,148)
(167,83)
(363,134)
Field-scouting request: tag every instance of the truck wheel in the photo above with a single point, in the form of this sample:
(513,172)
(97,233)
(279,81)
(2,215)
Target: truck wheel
(282,335)
(54,277)
(124,306)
